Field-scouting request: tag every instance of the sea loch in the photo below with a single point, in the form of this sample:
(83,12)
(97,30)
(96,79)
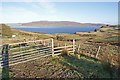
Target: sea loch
(57,29)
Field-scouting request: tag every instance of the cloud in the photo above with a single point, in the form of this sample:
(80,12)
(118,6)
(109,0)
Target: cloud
(15,14)
(29,12)
(48,5)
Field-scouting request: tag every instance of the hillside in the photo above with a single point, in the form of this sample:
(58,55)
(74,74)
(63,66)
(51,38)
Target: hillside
(20,35)
(5,30)
(58,23)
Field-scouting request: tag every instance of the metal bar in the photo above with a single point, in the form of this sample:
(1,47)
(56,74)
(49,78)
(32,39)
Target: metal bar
(28,60)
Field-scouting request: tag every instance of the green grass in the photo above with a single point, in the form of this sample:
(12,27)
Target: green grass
(108,39)
(112,38)
(85,67)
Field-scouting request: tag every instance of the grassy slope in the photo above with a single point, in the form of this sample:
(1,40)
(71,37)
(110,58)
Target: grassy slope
(24,36)
(5,30)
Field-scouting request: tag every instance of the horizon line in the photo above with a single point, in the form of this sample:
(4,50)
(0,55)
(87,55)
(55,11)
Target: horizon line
(57,21)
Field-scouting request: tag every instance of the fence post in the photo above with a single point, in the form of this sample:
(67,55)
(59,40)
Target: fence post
(52,48)
(98,51)
(73,45)
(78,48)
(65,45)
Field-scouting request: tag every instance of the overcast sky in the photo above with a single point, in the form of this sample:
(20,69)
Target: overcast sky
(85,12)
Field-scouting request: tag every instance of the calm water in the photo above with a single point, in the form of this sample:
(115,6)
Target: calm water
(52,30)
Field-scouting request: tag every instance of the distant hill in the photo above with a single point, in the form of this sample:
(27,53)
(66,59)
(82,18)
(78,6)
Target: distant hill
(59,23)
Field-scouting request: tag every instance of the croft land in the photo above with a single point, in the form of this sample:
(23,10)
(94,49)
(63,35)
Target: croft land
(80,65)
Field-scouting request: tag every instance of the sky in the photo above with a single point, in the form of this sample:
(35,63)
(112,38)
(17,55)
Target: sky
(84,12)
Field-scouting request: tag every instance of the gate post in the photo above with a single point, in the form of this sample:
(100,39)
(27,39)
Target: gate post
(0,56)
(5,62)
(0,62)
(73,46)
(52,48)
